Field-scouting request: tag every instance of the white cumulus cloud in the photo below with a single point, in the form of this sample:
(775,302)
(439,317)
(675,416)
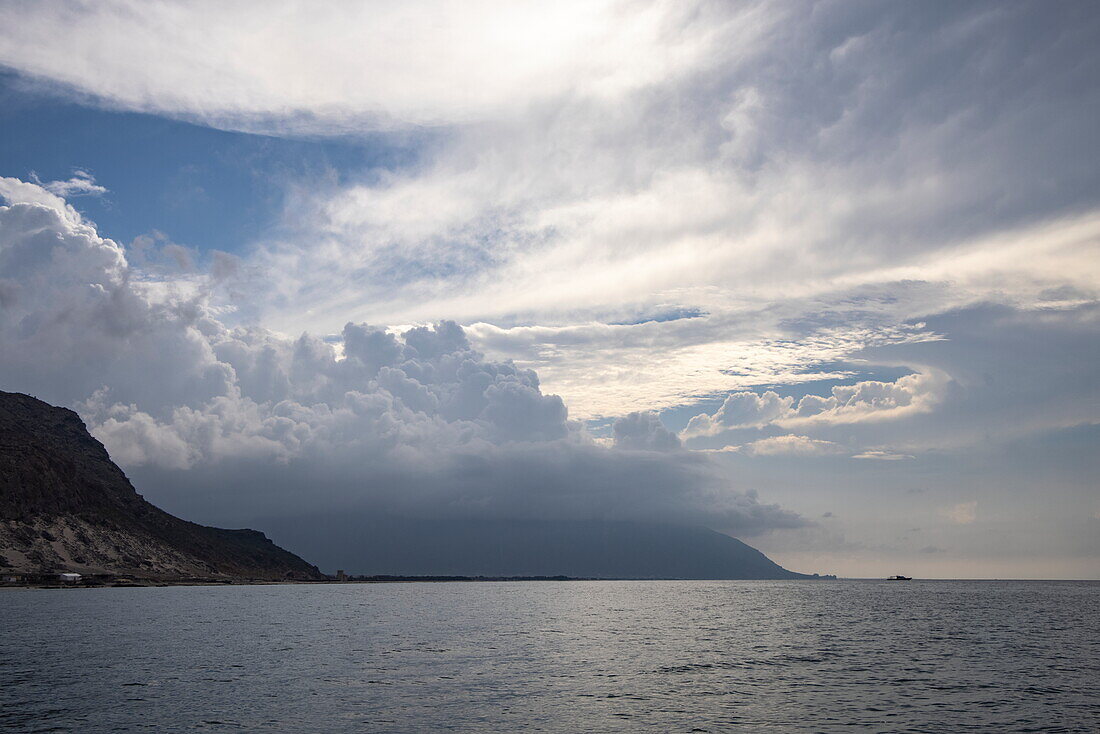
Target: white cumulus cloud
(741,409)
(866,401)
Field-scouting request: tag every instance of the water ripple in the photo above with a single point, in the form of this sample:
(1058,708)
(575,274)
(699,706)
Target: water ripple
(543,656)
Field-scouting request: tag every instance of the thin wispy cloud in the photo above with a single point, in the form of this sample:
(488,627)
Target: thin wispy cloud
(964,513)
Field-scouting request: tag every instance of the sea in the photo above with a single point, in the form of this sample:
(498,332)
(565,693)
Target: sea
(570,656)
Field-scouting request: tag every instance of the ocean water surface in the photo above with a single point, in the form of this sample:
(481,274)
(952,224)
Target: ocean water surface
(576,656)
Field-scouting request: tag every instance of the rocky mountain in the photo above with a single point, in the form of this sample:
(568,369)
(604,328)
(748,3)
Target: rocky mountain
(65,506)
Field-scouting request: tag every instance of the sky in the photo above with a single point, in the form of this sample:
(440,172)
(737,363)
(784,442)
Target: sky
(823,276)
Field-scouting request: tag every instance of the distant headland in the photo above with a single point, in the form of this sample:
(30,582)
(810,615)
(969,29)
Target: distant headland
(66,508)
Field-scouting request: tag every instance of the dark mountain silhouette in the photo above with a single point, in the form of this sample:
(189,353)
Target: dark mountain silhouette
(65,506)
(462,547)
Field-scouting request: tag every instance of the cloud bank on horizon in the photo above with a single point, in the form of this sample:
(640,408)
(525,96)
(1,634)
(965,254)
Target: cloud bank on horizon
(857,237)
(420,425)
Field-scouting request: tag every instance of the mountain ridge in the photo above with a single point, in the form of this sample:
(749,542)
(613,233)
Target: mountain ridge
(366,544)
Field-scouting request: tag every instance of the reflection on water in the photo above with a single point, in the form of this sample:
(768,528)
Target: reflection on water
(760,656)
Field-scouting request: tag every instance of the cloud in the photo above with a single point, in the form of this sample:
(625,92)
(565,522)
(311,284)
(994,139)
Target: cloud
(290,65)
(881,455)
(74,318)
(739,410)
(1003,375)
(871,400)
(82,183)
(606,370)
(414,421)
(697,158)
(16,191)
(728,186)
(643,431)
(792,445)
(866,401)
(964,513)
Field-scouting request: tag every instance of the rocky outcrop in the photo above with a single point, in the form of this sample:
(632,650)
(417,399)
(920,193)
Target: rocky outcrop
(64,505)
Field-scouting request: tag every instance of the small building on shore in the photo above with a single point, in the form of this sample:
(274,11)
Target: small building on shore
(69,578)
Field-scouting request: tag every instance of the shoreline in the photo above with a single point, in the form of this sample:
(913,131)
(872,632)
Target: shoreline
(130,583)
(151,583)
(102,581)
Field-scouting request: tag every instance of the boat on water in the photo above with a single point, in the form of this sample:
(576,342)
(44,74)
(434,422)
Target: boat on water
(900,578)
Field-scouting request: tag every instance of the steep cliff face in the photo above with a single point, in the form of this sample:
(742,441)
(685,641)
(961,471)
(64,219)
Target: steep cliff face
(64,505)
